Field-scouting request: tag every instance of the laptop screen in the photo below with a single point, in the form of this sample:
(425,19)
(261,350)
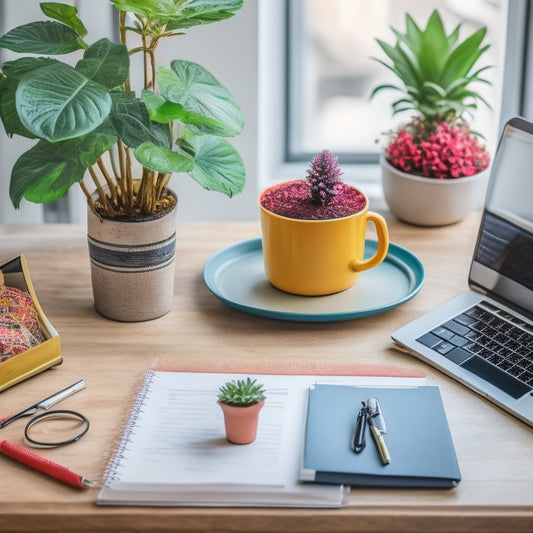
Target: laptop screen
(503,258)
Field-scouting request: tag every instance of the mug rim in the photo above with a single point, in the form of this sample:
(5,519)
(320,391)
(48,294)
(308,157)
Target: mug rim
(307,220)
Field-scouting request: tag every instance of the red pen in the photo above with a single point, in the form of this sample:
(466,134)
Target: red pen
(38,462)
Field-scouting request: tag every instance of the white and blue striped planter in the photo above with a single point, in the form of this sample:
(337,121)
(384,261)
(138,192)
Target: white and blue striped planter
(132,265)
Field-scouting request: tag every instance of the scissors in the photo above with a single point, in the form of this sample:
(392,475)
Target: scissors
(46,404)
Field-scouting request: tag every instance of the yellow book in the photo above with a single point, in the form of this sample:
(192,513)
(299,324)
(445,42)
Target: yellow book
(40,357)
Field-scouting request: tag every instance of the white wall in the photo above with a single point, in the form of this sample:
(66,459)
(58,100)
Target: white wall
(228,49)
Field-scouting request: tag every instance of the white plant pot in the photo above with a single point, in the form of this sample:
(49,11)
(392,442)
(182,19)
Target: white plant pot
(132,265)
(431,201)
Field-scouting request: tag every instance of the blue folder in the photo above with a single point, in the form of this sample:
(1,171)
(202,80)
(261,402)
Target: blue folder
(418,438)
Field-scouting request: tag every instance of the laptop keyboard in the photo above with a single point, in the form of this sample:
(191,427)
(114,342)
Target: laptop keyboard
(489,342)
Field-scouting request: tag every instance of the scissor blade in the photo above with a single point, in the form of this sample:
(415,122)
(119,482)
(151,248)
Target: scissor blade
(62,394)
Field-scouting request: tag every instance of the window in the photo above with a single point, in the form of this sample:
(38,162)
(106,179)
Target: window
(321,79)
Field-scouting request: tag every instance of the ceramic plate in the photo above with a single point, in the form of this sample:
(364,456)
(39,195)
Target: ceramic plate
(236,276)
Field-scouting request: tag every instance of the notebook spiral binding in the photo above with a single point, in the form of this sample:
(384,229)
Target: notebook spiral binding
(112,472)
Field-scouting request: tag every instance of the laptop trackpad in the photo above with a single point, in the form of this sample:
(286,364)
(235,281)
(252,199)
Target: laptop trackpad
(497,377)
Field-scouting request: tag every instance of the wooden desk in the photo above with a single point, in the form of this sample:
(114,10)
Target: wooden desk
(495,451)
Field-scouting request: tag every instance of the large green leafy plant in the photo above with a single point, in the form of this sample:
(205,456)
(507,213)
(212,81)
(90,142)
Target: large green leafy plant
(436,72)
(88,116)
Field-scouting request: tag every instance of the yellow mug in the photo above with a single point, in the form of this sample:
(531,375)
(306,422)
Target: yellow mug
(319,257)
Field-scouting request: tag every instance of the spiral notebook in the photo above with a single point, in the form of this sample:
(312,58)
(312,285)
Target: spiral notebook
(174,452)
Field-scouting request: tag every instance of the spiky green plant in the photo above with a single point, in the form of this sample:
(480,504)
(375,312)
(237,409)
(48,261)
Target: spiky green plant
(240,392)
(436,70)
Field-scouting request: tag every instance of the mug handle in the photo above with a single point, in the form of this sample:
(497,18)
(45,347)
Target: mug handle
(383,244)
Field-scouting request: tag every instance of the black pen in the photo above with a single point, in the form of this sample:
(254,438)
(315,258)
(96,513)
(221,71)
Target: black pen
(358,441)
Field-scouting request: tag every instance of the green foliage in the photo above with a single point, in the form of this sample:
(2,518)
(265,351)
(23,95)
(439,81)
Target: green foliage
(78,113)
(435,70)
(240,392)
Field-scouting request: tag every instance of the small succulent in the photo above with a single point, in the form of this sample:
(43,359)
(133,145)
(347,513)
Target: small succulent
(240,392)
(322,177)
(436,70)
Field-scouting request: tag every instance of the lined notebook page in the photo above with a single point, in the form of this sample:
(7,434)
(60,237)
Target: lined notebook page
(178,436)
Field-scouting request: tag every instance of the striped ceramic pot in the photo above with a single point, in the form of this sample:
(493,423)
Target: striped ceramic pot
(132,265)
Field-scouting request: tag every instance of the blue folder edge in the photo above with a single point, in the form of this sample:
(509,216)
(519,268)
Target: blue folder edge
(418,438)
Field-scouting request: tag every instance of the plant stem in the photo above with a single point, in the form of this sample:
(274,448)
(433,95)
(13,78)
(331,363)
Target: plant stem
(90,201)
(122,25)
(162,182)
(101,192)
(112,186)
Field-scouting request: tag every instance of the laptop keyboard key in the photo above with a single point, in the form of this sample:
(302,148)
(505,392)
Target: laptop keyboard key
(429,340)
(459,341)
(474,312)
(458,355)
(464,319)
(474,335)
(444,347)
(497,377)
(443,333)
(457,328)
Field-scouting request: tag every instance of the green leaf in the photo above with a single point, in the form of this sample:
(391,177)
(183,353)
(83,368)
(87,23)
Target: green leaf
(8,111)
(400,66)
(42,37)
(403,104)
(133,125)
(463,58)
(163,111)
(218,166)
(384,86)
(199,92)
(195,12)
(162,159)
(159,109)
(66,14)
(454,37)
(57,103)
(46,172)
(433,49)
(412,33)
(434,87)
(105,63)
(15,69)
(147,8)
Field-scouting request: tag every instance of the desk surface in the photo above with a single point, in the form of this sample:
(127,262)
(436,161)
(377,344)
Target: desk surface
(495,451)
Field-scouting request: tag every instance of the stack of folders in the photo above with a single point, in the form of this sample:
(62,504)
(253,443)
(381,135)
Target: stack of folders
(415,434)
(174,452)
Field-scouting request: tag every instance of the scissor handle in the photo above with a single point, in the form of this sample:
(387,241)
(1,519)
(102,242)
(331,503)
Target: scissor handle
(27,412)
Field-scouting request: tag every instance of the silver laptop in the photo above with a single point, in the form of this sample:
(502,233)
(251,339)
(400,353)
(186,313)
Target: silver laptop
(484,337)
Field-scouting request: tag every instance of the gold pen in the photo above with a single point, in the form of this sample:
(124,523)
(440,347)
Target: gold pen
(380,442)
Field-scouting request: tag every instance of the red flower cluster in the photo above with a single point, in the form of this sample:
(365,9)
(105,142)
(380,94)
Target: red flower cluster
(449,152)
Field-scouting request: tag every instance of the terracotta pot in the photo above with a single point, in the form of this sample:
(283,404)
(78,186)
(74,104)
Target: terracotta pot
(132,265)
(431,201)
(241,422)
(319,257)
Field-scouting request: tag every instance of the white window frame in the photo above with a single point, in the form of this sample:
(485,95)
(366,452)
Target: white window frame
(517,96)
(273,166)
